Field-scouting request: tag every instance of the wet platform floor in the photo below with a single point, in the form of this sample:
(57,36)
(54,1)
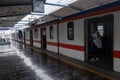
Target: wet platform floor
(20,63)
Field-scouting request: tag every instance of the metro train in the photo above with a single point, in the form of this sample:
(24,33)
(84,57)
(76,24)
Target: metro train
(70,35)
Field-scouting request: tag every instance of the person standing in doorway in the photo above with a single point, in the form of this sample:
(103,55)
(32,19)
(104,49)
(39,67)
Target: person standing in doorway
(96,44)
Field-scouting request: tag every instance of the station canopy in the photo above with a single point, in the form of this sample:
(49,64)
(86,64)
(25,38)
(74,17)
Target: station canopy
(19,13)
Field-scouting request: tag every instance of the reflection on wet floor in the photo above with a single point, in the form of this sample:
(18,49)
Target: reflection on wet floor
(21,63)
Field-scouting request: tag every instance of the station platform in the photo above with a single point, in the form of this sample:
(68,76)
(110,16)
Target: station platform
(20,62)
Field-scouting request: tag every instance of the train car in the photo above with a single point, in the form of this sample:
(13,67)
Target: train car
(71,35)
(36,37)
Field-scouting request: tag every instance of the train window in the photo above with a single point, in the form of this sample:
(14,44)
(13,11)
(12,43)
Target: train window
(100,29)
(35,33)
(51,32)
(70,31)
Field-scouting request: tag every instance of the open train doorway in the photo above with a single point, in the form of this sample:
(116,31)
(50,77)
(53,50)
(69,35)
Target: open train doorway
(20,36)
(99,41)
(43,38)
(24,37)
(31,37)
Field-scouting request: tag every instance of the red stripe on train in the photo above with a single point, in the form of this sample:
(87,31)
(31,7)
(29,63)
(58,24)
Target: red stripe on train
(69,46)
(52,43)
(116,54)
(37,41)
(27,40)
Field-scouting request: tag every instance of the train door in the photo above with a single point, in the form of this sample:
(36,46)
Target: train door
(104,55)
(43,38)
(20,36)
(24,37)
(31,37)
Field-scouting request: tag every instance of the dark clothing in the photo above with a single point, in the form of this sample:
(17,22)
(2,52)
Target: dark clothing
(96,51)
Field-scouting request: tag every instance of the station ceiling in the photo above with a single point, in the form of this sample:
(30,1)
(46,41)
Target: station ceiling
(12,11)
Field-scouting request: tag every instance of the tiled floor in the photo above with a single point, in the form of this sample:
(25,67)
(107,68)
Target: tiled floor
(18,63)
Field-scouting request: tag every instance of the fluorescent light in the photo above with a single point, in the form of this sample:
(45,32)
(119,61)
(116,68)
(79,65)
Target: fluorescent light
(22,22)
